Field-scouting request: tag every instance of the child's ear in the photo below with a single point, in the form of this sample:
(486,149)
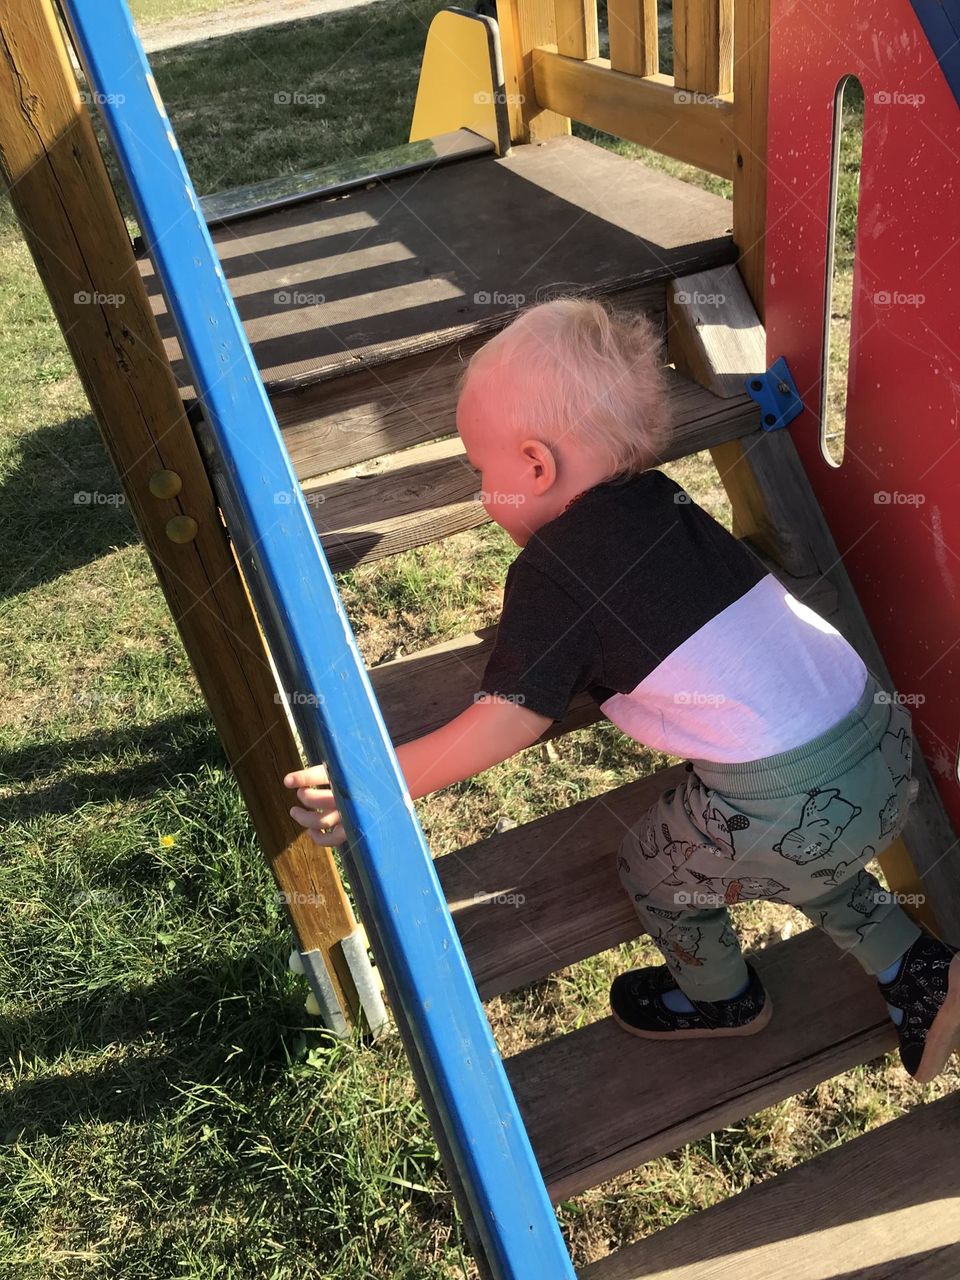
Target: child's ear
(539,457)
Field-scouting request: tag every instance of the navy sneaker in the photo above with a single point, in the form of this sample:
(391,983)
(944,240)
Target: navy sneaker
(636,1005)
(927,989)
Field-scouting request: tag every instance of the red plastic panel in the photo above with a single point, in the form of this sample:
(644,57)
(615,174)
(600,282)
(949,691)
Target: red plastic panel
(894,503)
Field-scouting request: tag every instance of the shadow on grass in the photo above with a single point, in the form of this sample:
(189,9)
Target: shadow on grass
(178,745)
(63,506)
(205,1023)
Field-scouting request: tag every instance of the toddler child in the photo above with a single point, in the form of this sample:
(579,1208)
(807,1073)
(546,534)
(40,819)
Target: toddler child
(799,764)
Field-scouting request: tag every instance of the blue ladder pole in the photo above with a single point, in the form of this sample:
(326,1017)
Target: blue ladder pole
(316,652)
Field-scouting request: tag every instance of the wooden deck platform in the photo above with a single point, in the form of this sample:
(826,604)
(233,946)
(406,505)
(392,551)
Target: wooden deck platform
(402,266)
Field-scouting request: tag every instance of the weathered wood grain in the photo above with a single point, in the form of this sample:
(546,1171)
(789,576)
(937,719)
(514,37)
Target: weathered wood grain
(884,1206)
(376,410)
(714,335)
(703,45)
(634,37)
(399,500)
(511,894)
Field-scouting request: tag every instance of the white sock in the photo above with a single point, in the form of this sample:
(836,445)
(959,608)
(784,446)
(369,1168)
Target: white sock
(675,999)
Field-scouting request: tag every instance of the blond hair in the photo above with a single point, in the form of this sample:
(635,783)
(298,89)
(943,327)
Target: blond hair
(576,368)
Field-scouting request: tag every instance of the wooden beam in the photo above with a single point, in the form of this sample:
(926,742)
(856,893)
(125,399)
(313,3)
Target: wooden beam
(714,335)
(634,36)
(757,515)
(828,1016)
(61,193)
(764,517)
(802,1224)
(422,494)
(649,111)
(566,856)
(703,45)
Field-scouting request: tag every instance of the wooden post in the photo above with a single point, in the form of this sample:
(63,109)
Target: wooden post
(61,193)
(751,63)
(524,24)
(751,74)
(577,33)
(703,45)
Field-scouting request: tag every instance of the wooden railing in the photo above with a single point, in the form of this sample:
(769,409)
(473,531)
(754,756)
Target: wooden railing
(710,113)
(686,124)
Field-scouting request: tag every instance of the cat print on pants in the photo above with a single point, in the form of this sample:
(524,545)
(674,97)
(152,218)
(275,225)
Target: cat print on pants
(823,820)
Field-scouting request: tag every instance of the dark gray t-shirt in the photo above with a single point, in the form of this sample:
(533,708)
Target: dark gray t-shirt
(637,596)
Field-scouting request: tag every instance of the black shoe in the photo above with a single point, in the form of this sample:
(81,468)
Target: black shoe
(636,1005)
(927,989)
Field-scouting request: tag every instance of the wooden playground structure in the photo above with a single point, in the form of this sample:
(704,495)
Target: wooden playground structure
(362,294)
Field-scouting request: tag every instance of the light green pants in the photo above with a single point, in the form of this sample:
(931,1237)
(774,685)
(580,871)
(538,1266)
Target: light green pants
(797,827)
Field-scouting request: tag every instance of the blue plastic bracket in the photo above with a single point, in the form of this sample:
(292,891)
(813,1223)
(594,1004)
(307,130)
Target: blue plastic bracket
(776,393)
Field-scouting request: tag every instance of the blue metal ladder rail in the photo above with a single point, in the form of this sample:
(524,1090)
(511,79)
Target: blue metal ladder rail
(478,1127)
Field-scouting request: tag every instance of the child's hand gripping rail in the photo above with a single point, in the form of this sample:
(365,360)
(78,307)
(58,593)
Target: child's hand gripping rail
(490,730)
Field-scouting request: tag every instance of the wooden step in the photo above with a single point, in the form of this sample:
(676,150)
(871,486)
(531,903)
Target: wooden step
(884,1206)
(425,260)
(429,491)
(421,691)
(510,894)
(390,504)
(342,420)
(598,1102)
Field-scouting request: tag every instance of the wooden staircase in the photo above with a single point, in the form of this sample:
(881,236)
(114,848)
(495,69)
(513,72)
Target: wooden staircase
(399,283)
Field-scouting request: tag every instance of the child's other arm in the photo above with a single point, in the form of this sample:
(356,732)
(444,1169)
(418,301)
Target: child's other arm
(490,730)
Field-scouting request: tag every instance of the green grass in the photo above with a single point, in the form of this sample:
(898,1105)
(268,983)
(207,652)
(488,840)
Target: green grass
(363,75)
(166,1108)
(841,300)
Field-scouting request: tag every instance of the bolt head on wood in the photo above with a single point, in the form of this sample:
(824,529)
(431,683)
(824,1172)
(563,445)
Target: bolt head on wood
(181,529)
(165,484)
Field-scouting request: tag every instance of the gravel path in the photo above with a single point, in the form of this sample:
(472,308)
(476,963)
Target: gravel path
(238,18)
